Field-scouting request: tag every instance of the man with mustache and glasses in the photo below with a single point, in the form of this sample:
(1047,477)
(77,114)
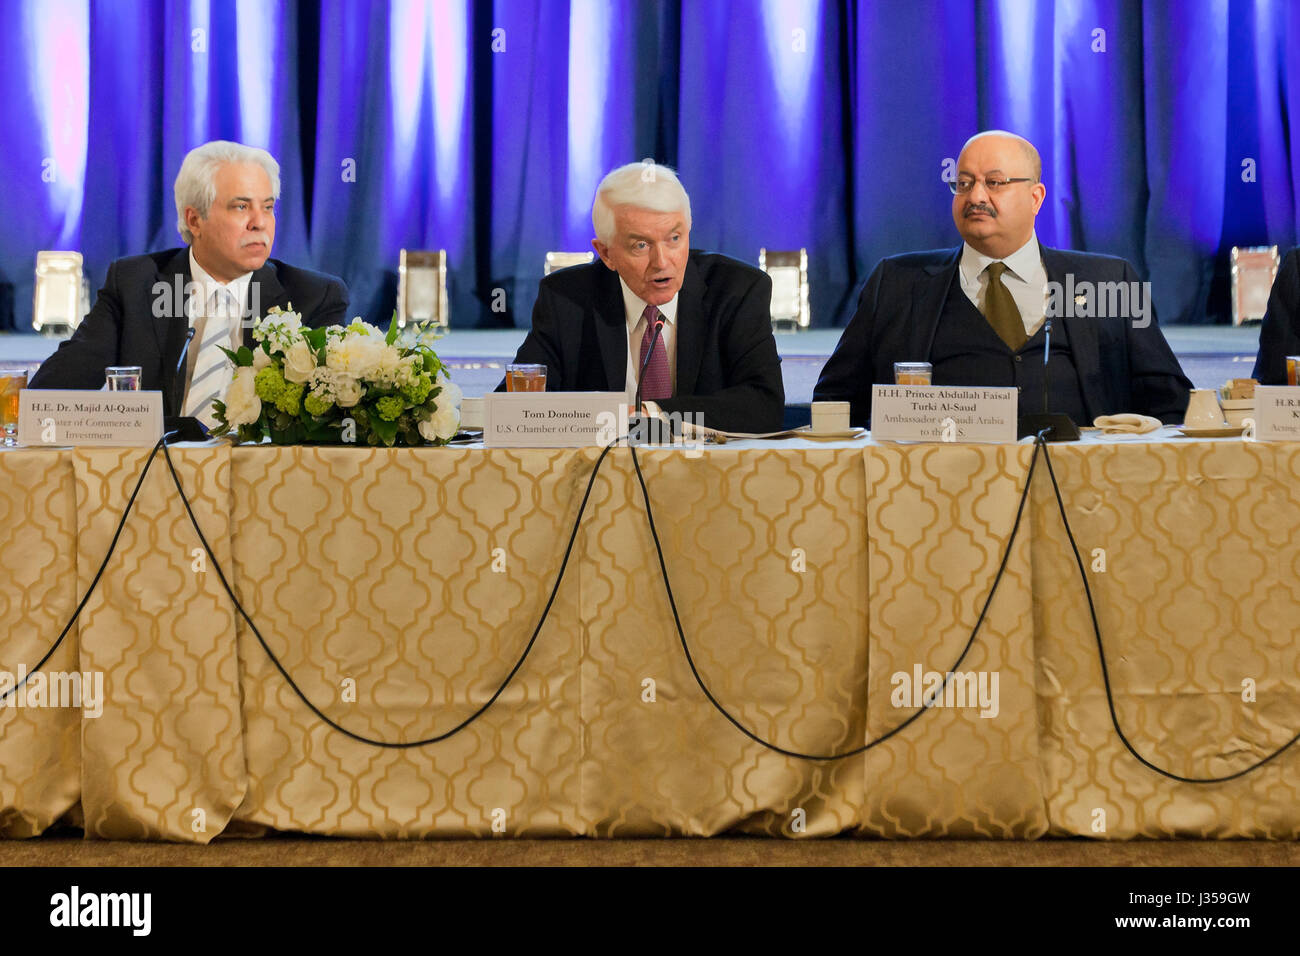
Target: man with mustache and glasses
(977,312)
(225,197)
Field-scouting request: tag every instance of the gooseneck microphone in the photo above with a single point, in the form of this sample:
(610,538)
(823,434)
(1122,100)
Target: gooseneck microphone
(1047,354)
(177,427)
(172,398)
(1057,425)
(637,419)
(640,376)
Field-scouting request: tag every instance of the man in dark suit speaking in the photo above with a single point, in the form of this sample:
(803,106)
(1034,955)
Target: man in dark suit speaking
(978,313)
(593,325)
(1279,336)
(225,209)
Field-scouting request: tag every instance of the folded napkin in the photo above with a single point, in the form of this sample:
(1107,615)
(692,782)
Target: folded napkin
(1126,424)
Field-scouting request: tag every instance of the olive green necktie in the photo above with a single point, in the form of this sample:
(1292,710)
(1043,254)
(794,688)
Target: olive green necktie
(1000,309)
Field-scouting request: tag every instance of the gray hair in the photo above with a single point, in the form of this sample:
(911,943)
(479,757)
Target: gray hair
(196,183)
(645,185)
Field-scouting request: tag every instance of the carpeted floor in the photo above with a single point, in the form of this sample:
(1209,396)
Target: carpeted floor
(718,851)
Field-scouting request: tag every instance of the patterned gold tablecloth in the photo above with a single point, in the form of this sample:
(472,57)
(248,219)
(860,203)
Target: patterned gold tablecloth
(1192,557)
(398,588)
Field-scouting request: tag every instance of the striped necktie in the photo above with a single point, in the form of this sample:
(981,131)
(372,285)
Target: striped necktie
(656,380)
(212,371)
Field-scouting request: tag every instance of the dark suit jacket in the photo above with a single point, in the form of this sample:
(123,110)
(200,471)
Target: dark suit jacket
(1279,336)
(1121,368)
(728,371)
(133,322)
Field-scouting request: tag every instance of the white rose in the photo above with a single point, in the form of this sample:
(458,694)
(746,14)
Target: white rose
(444,423)
(299,362)
(347,391)
(260,360)
(388,369)
(356,355)
(243,407)
(450,394)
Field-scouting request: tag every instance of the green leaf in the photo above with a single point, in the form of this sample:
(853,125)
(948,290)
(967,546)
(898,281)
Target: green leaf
(316,338)
(391,337)
(242,359)
(387,431)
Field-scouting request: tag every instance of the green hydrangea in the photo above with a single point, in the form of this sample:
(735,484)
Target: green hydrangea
(271,387)
(390,407)
(289,400)
(268,383)
(316,405)
(416,391)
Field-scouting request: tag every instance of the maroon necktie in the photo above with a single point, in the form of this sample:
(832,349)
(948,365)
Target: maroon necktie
(656,381)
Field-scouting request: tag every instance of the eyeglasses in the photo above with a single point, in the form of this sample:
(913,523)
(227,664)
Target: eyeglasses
(965,184)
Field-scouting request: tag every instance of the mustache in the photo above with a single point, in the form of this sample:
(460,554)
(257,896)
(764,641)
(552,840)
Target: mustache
(253,237)
(979,207)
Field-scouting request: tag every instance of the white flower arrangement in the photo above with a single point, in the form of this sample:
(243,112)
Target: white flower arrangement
(302,384)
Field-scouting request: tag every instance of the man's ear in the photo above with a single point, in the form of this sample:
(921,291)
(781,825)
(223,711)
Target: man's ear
(602,250)
(192,219)
(1039,192)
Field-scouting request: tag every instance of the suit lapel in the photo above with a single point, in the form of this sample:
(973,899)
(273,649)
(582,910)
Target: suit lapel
(611,328)
(264,294)
(171,324)
(927,304)
(1082,335)
(690,330)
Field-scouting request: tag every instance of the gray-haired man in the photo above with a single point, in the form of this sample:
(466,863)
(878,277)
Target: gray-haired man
(225,197)
(715,357)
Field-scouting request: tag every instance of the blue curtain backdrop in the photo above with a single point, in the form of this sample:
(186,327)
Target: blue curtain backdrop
(1167,129)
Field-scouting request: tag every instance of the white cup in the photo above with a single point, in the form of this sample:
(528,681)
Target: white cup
(471,413)
(830,417)
(1203,410)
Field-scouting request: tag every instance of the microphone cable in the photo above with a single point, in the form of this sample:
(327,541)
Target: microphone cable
(1105,671)
(1039,442)
(577,522)
(948,674)
(130,503)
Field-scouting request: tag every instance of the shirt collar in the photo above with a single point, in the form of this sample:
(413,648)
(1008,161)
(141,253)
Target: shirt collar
(634,306)
(1022,263)
(237,286)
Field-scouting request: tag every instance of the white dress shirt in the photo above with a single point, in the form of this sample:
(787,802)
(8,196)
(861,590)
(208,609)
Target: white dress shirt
(1025,278)
(633,307)
(214,297)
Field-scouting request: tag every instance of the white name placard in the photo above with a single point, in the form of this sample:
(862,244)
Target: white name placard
(951,413)
(1277,413)
(551,419)
(71,417)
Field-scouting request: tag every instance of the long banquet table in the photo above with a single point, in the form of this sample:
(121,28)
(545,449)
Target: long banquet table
(398,587)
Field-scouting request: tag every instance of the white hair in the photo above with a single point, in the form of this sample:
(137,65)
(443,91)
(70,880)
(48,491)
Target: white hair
(196,183)
(645,185)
